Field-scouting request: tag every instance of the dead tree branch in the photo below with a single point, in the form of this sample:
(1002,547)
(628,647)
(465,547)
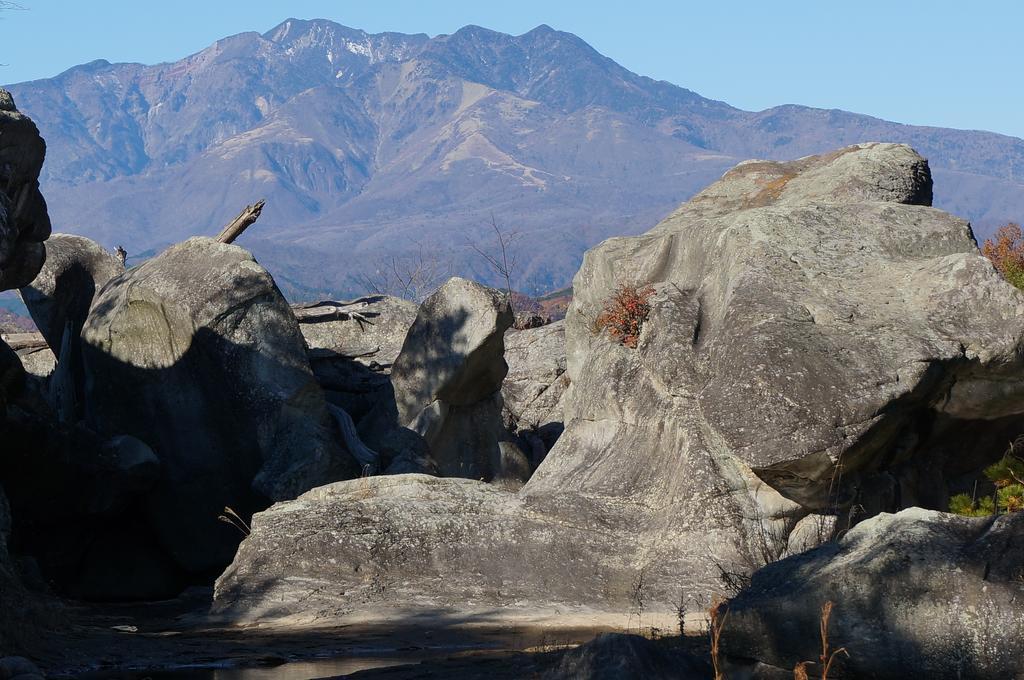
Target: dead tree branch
(328,310)
(364,455)
(250,214)
(503,263)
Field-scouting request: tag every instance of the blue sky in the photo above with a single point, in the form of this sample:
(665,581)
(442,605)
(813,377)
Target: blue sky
(952,64)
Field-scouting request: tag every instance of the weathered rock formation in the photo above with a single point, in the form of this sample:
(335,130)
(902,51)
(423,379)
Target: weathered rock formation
(352,347)
(535,387)
(24,224)
(447,381)
(919,594)
(369,330)
(819,343)
(59,299)
(62,293)
(196,353)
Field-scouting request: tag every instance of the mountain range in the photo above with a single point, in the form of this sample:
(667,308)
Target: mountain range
(389,153)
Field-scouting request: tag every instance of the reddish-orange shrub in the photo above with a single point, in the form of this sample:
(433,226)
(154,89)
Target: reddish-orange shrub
(1007,253)
(624,313)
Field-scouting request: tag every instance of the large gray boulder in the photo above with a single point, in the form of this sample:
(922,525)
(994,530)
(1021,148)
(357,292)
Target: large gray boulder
(196,353)
(819,341)
(62,293)
(417,540)
(59,299)
(918,594)
(24,223)
(619,656)
(447,378)
(454,351)
(820,344)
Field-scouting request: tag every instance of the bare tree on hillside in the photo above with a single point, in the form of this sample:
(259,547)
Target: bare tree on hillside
(501,260)
(412,276)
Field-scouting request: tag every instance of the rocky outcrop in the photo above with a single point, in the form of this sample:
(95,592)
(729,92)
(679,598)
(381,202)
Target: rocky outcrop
(24,224)
(819,343)
(59,299)
(819,340)
(12,376)
(419,540)
(352,347)
(196,353)
(535,387)
(447,379)
(62,293)
(454,351)
(371,331)
(916,594)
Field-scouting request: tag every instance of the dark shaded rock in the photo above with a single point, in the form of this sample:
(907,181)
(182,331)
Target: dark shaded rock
(515,467)
(24,224)
(618,656)
(59,299)
(62,293)
(72,491)
(403,451)
(12,376)
(197,353)
(122,563)
(61,473)
(916,594)
(18,667)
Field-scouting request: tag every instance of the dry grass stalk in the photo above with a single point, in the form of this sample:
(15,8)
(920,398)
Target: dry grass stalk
(231,517)
(827,657)
(717,615)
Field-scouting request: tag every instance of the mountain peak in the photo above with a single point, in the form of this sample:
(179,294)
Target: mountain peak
(355,153)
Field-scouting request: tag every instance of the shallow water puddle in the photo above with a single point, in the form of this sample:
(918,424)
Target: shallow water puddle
(297,670)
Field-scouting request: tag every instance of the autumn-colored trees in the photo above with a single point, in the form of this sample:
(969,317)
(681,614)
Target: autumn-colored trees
(1007,253)
(624,313)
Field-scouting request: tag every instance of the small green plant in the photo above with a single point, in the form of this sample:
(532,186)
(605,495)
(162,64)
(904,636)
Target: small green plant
(963,504)
(624,313)
(1007,475)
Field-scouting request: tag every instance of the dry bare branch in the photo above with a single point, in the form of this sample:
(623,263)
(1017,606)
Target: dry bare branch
(249,214)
